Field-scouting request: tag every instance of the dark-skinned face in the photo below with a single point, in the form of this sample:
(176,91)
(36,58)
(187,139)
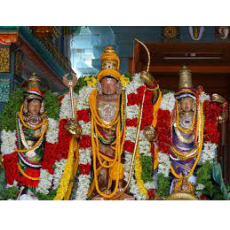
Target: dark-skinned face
(186,104)
(34,107)
(109,85)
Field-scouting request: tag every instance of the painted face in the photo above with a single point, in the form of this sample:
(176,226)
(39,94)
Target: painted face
(186,104)
(34,107)
(109,86)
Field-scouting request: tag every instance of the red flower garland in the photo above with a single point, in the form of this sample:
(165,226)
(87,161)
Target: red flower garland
(211,111)
(129,146)
(164,131)
(49,157)
(83,115)
(147,114)
(84,169)
(11,168)
(63,141)
(85,141)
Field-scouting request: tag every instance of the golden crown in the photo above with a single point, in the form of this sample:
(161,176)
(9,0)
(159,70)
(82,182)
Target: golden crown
(109,59)
(185,80)
(34,82)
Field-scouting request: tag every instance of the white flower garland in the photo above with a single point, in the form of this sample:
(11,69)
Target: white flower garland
(52,132)
(84,181)
(168,102)
(58,172)
(132,113)
(164,164)
(45,182)
(209,153)
(8,142)
(65,110)
(204,97)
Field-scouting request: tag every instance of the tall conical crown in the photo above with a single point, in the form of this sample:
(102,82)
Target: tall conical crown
(34,82)
(33,88)
(185,80)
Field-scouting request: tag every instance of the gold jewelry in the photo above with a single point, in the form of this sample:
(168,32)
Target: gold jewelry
(20,114)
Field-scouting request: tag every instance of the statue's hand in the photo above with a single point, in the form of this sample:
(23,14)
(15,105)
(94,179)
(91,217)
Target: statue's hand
(150,134)
(224,104)
(147,78)
(73,128)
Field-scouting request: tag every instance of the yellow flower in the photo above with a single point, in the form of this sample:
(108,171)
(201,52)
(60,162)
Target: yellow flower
(124,80)
(138,172)
(91,81)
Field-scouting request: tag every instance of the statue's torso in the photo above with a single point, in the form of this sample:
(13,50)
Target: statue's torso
(184,143)
(107,110)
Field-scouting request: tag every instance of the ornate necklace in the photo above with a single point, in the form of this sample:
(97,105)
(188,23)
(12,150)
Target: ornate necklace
(107,110)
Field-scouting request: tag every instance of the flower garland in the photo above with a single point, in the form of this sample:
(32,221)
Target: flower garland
(135,90)
(46,173)
(9,140)
(83,114)
(211,133)
(164,133)
(64,154)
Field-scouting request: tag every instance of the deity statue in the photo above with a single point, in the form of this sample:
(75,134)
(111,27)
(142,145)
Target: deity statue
(25,147)
(107,133)
(190,143)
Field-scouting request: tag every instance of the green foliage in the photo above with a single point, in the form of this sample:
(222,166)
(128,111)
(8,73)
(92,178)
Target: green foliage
(204,177)
(228,188)
(6,193)
(7,117)
(129,76)
(163,186)
(9,193)
(147,167)
(81,83)
(2,180)
(49,196)
(51,105)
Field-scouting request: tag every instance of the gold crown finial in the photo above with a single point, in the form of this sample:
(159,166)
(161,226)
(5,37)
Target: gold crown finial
(109,49)
(185,80)
(109,59)
(34,82)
